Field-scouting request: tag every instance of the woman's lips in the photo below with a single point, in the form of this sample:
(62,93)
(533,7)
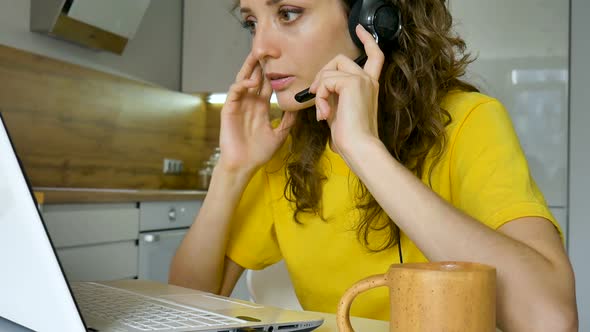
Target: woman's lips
(282,83)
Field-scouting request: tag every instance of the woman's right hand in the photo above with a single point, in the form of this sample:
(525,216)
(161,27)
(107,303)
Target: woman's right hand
(247,138)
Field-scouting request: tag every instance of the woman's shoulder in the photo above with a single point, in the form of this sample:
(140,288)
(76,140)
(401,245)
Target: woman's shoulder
(461,105)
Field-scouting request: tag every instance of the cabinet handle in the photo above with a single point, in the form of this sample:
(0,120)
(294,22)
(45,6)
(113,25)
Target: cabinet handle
(151,238)
(172,214)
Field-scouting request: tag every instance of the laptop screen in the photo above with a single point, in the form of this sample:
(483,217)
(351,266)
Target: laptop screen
(33,289)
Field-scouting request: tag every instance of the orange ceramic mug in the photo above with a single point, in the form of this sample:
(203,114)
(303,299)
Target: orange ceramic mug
(438,296)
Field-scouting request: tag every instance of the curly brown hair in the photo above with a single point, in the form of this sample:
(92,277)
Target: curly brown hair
(425,64)
(418,72)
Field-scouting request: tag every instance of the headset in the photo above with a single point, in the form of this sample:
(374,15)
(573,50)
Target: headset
(381,18)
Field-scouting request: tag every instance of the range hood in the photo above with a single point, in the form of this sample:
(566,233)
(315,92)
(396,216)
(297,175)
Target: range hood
(98,24)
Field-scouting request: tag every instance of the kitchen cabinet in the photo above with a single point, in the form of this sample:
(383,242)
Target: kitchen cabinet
(121,241)
(163,226)
(95,241)
(214,46)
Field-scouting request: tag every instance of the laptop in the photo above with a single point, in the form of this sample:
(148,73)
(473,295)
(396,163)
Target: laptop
(35,293)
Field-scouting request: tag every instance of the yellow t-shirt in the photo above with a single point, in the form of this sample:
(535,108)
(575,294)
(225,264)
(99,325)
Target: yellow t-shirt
(482,172)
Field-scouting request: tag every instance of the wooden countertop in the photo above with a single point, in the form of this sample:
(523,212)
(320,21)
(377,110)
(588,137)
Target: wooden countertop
(95,195)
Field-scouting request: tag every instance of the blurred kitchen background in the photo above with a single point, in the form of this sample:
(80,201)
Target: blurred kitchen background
(532,55)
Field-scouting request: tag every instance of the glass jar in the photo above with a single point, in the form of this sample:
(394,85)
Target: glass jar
(205,174)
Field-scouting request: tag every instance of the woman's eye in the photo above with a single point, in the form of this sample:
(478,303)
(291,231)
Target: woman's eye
(289,14)
(249,25)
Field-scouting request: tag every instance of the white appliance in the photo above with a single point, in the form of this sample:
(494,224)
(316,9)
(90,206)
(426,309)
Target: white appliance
(162,226)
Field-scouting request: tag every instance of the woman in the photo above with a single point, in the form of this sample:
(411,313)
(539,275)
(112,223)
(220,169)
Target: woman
(395,160)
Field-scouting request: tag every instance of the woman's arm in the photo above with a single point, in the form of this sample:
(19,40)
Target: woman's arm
(535,278)
(247,140)
(200,261)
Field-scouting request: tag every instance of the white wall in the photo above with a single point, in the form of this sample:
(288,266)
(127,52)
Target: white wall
(212,56)
(522,50)
(579,177)
(514,29)
(154,55)
(524,60)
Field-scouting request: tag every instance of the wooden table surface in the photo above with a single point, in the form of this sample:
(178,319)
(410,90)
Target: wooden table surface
(359,324)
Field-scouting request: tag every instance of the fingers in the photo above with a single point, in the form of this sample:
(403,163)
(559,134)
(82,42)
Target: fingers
(287,122)
(339,63)
(238,90)
(256,77)
(266,89)
(252,70)
(331,86)
(284,127)
(247,68)
(323,93)
(247,79)
(343,71)
(250,81)
(325,74)
(375,57)
(372,67)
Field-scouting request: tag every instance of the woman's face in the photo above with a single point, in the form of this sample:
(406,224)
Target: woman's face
(294,39)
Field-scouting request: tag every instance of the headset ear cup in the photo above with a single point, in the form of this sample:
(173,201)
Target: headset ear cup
(353,21)
(387,24)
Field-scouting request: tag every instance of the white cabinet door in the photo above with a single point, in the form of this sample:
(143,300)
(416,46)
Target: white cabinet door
(73,225)
(156,250)
(214,46)
(95,241)
(523,50)
(163,225)
(101,262)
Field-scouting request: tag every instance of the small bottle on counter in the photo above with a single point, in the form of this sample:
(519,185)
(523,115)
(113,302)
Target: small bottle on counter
(215,156)
(205,174)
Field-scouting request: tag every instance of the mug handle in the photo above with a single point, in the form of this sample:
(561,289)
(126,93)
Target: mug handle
(343,314)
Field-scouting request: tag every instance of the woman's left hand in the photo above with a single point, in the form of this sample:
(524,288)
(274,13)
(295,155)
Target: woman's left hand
(347,95)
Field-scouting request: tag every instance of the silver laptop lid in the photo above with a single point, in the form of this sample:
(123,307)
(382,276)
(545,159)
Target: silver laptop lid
(33,288)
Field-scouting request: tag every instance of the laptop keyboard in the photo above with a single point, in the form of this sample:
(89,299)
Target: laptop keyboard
(141,312)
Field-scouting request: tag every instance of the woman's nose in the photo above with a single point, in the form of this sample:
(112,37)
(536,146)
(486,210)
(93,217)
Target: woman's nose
(265,44)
